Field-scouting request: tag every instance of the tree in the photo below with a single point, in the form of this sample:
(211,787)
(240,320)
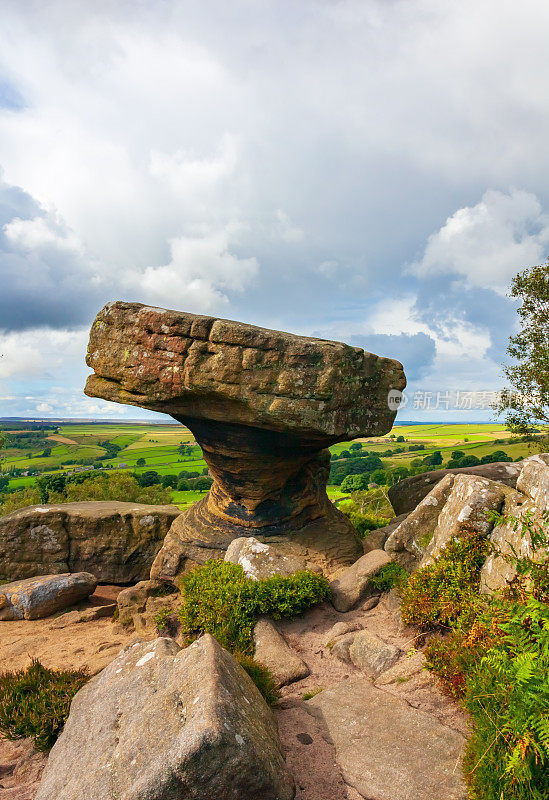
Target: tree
(356,446)
(400,439)
(436,458)
(526,401)
(458,454)
(140,462)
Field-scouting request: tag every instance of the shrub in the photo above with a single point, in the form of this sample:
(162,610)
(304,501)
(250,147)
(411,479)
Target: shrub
(438,593)
(390,576)
(36,701)
(261,676)
(364,523)
(219,599)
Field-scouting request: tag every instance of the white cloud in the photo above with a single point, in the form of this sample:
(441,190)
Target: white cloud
(488,243)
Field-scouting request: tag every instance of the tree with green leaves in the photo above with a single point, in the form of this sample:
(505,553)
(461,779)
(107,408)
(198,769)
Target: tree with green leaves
(526,401)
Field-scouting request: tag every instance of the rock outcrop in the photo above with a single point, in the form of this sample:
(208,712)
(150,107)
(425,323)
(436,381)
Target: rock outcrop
(259,560)
(42,596)
(353,584)
(407,494)
(115,541)
(386,749)
(264,406)
(160,723)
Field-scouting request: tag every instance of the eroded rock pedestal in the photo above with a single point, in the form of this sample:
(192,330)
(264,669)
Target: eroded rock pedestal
(264,406)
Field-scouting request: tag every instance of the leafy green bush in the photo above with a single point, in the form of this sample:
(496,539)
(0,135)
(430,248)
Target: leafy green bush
(36,701)
(219,599)
(390,576)
(438,593)
(261,676)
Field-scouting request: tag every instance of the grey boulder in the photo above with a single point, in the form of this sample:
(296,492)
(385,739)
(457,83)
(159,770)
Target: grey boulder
(259,560)
(272,650)
(353,584)
(372,655)
(42,596)
(160,723)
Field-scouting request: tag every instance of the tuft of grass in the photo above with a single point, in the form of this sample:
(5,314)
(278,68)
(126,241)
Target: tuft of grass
(391,576)
(261,676)
(312,693)
(36,701)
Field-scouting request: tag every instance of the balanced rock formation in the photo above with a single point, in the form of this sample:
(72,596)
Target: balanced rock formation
(42,596)
(264,406)
(160,723)
(115,541)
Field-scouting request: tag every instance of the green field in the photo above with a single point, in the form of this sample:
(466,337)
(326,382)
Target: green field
(84,444)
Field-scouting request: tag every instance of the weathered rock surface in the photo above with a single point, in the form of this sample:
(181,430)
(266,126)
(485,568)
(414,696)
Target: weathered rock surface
(42,596)
(409,540)
(353,584)
(272,650)
(406,494)
(465,511)
(375,540)
(371,654)
(115,541)
(21,767)
(261,561)
(534,482)
(160,723)
(386,749)
(138,605)
(263,405)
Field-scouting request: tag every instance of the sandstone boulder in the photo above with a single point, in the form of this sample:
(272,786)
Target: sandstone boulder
(376,539)
(160,723)
(466,509)
(138,605)
(261,561)
(272,650)
(534,482)
(263,405)
(115,541)
(372,655)
(406,494)
(409,540)
(353,584)
(42,596)
(386,749)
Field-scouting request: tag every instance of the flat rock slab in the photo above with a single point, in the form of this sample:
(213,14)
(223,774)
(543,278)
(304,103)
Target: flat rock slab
(386,749)
(272,650)
(202,367)
(42,596)
(115,541)
(160,723)
(353,584)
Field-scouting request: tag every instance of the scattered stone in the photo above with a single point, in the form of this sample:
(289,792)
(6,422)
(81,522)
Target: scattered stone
(115,541)
(371,602)
(138,605)
(261,561)
(85,615)
(404,669)
(386,749)
(409,540)
(340,629)
(272,650)
(160,722)
(375,540)
(353,584)
(304,738)
(406,494)
(264,406)
(465,511)
(341,647)
(42,596)
(371,654)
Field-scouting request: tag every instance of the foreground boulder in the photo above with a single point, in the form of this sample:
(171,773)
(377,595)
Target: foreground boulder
(39,597)
(264,406)
(160,723)
(386,749)
(406,494)
(115,541)
(272,650)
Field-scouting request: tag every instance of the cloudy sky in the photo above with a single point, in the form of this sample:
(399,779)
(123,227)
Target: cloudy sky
(374,171)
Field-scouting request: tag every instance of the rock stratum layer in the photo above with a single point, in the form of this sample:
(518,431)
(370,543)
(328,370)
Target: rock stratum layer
(263,405)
